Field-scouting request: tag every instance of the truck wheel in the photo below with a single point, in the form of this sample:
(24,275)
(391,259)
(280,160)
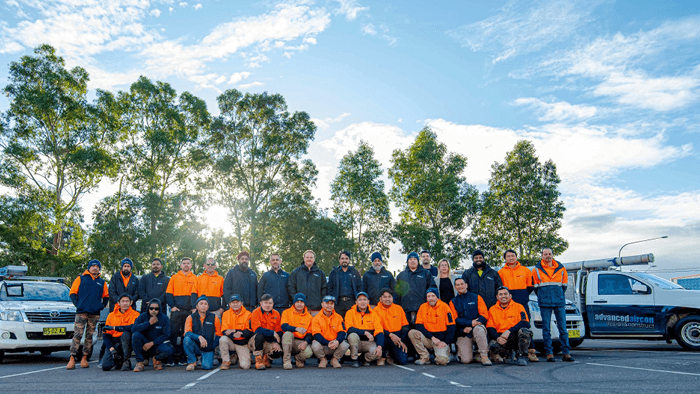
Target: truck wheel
(688,332)
(575,342)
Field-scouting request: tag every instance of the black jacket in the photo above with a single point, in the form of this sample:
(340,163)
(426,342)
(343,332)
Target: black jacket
(243,283)
(334,282)
(151,286)
(117,288)
(419,281)
(275,284)
(484,285)
(374,282)
(310,282)
(159,332)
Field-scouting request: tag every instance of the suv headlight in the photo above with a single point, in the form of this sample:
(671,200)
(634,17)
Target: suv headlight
(534,306)
(11,315)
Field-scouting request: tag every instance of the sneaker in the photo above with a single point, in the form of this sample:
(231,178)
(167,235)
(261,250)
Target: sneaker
(182,362)
(126,366)
(486,362)
(532,356)
(422,361)
(568,358)
(550,358)
(299,364)
(191,367)
(355,364)
(335,363)
(521,362)
(287,365)
(139,367)
(170,364)
(323,362)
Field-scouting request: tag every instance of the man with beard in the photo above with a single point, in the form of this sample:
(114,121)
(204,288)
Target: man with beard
(344,282)
(435,330)
(243,281)
(210,284)
(235,326)
(202,333)
(395,328)
(412,283)
(123,282)
(365,332)
(153,284)
(376,279)
(309,280)
(509,329)
(274,282)
(471,316)
(425,261)
(117,335)
(482,279)
(179,298)
(151,336)
(329,334)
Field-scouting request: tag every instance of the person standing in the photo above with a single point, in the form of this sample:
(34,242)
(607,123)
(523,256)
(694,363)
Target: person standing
(376,279)
(309,280)
(153,285)
(265,324)
(202,333)
(90,295)
(329,334)
(179,298)
(444,282)
(509,329)
(482,279)
(210,284)
(518,279)
(395,328)
(123,282)
(471,317)
(435,330)
(550,279)
(274,282)
(151,336)
(297,337)
(344,282)
(117,335)
(243,281)
(235,326)
(426,263)
(365,331)
(412,283)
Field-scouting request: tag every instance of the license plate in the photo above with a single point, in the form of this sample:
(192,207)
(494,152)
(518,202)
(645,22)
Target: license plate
(48,331)
(574,334)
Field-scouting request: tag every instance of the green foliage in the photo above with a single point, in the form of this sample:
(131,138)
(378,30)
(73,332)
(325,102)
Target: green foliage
(361,206)
(521,209)
(436,204)
(255,148)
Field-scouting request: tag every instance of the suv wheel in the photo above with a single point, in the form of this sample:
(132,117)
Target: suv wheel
(687,332)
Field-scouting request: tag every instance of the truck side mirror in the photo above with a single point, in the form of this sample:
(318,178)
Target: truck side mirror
(640,288)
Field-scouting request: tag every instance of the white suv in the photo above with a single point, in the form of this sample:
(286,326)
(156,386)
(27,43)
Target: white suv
(36,314)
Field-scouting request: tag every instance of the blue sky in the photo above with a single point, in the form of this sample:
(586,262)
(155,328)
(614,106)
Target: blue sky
(609,90)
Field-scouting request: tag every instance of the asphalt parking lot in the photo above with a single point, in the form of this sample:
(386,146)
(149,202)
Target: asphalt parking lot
(601,366)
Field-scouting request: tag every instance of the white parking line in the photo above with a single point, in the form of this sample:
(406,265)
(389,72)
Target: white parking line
(429,375)
(190,385)
(402,367)
(458,384)
(644,369)
(31,372)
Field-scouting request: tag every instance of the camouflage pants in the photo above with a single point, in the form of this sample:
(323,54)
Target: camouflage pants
(519,342)
(83,321)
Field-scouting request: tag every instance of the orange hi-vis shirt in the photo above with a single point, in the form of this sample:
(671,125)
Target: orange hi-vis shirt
(517,277)
(327,326)
(503,319)
(116,318)
(210,285)
(436,318)
(267,320)
(555,275)
(180,288)
(295,319)
(231,320)
(125,279)
(393,317)
(217,324)
(367,320)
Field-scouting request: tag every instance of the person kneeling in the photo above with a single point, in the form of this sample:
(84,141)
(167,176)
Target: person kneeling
(265,323)
(151,336)
(365,332)
(202,332)
(435,330)
(509,329)
(296,340)
(235,325)
(117,337)
(329,334)
(472,314)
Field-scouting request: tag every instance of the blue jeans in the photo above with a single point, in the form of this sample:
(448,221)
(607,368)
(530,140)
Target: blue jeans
(399,356)
(560,314)
(192,350)
(160,352)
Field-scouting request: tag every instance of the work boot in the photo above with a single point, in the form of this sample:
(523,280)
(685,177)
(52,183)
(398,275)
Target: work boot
(355,364)
(287,365)
(259,363)
(532,356)
(140,366)
(335,363)
(422,361)
(485,361)
(191,367)
(497,358)
(157,365)
(126,366)
(300,363)
(550,358)
(267,361)
(512,358)
(381,362)
(225,365)
(84,362)
(71,363)
(567,357)
(521,362)
(323,362)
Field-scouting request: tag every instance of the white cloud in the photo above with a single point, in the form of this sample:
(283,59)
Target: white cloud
(521,27)
(369,29)
(155,12)
(237,77)
(197,6)
(350,8)
(183,4)
(251,85)
(558,111)
(326,123)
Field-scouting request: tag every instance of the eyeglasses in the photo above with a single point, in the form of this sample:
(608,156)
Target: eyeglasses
(153,309)
(210,264)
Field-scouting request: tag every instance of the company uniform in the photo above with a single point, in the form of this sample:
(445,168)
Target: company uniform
(240,322)
(357,324)
(89,295)
(484,283)
(143,332)
(120,284)
(119,338)
(211,286)
(179,294)
(244,283)
(152,286)
(344,285)
(374,282)
(434,321)
(468,307)
(511,318)
(394,322)
(310,282)
(275,284)
(264,325)
(326,329)
(291,339)
(550,287)
(417,283)
(207,326)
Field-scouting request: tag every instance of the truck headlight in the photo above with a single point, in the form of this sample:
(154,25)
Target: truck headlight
(11,315)
(534,307)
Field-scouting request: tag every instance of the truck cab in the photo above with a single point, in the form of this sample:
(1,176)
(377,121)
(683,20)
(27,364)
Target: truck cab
(637,305)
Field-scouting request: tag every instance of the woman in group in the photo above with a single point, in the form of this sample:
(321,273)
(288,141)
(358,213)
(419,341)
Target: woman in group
(444,281)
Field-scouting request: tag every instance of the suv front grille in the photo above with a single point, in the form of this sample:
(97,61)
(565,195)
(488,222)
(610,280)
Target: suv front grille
(46,317)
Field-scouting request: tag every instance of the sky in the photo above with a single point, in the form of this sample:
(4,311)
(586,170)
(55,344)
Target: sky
(608,90)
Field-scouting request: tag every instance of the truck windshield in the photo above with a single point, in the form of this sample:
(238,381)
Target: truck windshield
(35,291)
(661,282)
